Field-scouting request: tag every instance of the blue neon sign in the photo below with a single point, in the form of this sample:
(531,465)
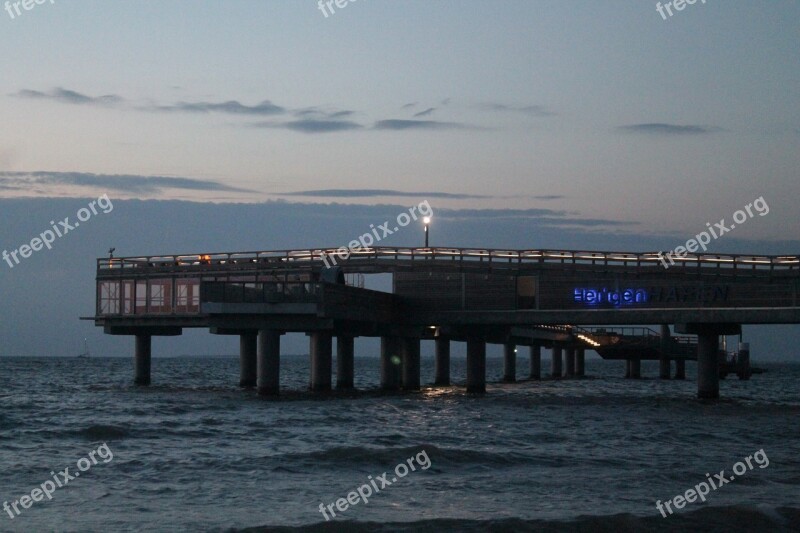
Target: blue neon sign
(605,296)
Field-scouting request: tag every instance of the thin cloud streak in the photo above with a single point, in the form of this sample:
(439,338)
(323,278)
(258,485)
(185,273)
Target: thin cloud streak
(370,193)
(657,128)
(112,182)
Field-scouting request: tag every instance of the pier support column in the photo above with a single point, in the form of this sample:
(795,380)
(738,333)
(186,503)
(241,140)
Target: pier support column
(391,352)
(269,362)
(680,368)
(743,361)
(442,361)
(476,365)
(580,362)
(410,372)
(509,363)
(707,365)
(663,360)
(636,368)
(536,361)
(627,368)
(248,359)
(141,362)
(344,362)
(321,360)
(569,362)
(555,362)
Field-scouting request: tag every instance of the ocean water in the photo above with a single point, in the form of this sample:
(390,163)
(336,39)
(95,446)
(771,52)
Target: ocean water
(192,452)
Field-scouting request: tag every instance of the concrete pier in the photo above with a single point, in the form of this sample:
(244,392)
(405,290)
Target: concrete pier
(569,362)
(680,368)
(509,363)
(664,361)
(707,365)
(321,360)
(344,362)
(391,359)
(536,361)
(410,370)
(476,365)
(555,362)
(627,368)
(636,368)
(442,377)
(580,362)
(248,359)
(141,363)
(269,362)
(743,361)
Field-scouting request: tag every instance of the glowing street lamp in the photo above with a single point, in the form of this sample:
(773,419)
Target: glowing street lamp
(427,222)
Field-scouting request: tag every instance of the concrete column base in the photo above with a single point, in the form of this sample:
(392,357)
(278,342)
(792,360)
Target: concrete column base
(636,368)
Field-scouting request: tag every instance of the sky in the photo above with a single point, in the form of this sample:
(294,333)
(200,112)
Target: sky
(526,124)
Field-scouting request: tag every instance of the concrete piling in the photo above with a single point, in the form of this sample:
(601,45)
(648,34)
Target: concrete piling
(142,359)
(569,362)
(680,368)
(248,359)
(442,376)
(268,362)
(344,362)
(555,362)
(743,361)
(707,365)
(321,360)
(580,362)
(536,361)
(636,368)
(476,365)
(509,363)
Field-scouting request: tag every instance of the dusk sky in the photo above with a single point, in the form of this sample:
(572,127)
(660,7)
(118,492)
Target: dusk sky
(526,124)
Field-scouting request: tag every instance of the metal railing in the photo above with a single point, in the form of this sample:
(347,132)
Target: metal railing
(464,256)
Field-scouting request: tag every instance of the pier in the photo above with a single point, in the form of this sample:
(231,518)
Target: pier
(565,301)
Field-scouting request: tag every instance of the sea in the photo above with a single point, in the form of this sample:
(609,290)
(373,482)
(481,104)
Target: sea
(193,452)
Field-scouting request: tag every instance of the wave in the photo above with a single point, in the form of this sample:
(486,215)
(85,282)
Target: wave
(711,519)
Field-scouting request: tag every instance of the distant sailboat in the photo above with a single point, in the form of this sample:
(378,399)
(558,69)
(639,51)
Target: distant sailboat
(85,354)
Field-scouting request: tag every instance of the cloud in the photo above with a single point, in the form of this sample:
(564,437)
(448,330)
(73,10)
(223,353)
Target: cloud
(316,112)
(398,125)
(312,126)
(366,193)
(549,197)
(668,129)
(530,110)
(231,107)
(111,182)
(409,105)
(425,113)
(67,96)
(544,217)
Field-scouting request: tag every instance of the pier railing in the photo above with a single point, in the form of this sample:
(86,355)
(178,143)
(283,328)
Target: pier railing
(458,257)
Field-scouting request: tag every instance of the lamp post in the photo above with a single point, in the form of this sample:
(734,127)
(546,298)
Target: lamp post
(427,222)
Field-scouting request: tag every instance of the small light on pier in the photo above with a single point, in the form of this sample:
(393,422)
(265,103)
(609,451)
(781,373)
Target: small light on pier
(427,222)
